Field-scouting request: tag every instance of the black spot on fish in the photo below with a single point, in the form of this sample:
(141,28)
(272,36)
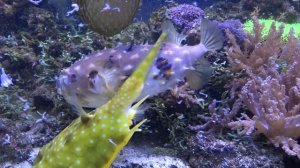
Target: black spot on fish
(165,68)
(160,62)
(162,47)
(92,76)
(84,119)
(73,78)
(130,47)
(109,63)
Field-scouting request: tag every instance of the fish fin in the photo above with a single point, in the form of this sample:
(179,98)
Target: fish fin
(78,109)
(211,36)
(124,142)
(140,115)
(136,127)
(109,90)
(198,77)
(173,35)
(136,110)
(110,82)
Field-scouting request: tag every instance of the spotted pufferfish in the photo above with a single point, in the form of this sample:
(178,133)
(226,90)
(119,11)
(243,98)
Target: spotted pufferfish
(95,79)
(94,140)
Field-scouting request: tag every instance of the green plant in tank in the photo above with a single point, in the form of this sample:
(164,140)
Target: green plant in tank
(248,27)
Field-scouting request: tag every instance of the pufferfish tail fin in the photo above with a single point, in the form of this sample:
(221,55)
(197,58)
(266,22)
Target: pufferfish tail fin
(211,35)
(212,39)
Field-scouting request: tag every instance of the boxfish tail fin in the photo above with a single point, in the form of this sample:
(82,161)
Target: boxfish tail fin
(211,36)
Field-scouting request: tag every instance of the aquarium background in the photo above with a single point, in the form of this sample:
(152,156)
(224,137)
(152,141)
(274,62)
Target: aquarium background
(244,112)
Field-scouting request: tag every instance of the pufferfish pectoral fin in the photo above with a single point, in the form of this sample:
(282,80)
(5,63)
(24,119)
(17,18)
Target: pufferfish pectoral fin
(200,75)
(78,109)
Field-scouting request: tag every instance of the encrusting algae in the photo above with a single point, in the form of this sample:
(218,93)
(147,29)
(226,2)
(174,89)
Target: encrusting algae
(94,140)
(108,17)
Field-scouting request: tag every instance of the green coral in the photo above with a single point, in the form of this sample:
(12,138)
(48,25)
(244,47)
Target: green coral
(248,27)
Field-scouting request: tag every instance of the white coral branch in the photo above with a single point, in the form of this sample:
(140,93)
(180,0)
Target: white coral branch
(289,145)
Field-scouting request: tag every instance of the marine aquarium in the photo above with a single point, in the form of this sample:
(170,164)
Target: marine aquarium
(149,83)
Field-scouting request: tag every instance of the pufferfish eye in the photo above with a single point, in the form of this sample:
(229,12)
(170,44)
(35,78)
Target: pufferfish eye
(92,77)
(73,78)
(95,81)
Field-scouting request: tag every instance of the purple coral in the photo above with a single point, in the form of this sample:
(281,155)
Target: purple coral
(270,86)
(185,16)
(235,27)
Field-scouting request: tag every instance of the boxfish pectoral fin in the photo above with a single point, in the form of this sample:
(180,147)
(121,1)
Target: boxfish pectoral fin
(125,141)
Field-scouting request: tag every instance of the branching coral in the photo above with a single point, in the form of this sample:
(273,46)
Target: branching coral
(185,16)
(270,88)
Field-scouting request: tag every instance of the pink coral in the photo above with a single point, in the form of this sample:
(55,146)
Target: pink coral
(271,88)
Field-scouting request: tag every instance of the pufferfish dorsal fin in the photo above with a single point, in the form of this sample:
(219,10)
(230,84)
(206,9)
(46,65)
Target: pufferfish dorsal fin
(173,36)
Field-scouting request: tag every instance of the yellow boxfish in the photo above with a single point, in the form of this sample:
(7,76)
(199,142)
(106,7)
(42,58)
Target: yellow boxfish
(93,80)
(94,140)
